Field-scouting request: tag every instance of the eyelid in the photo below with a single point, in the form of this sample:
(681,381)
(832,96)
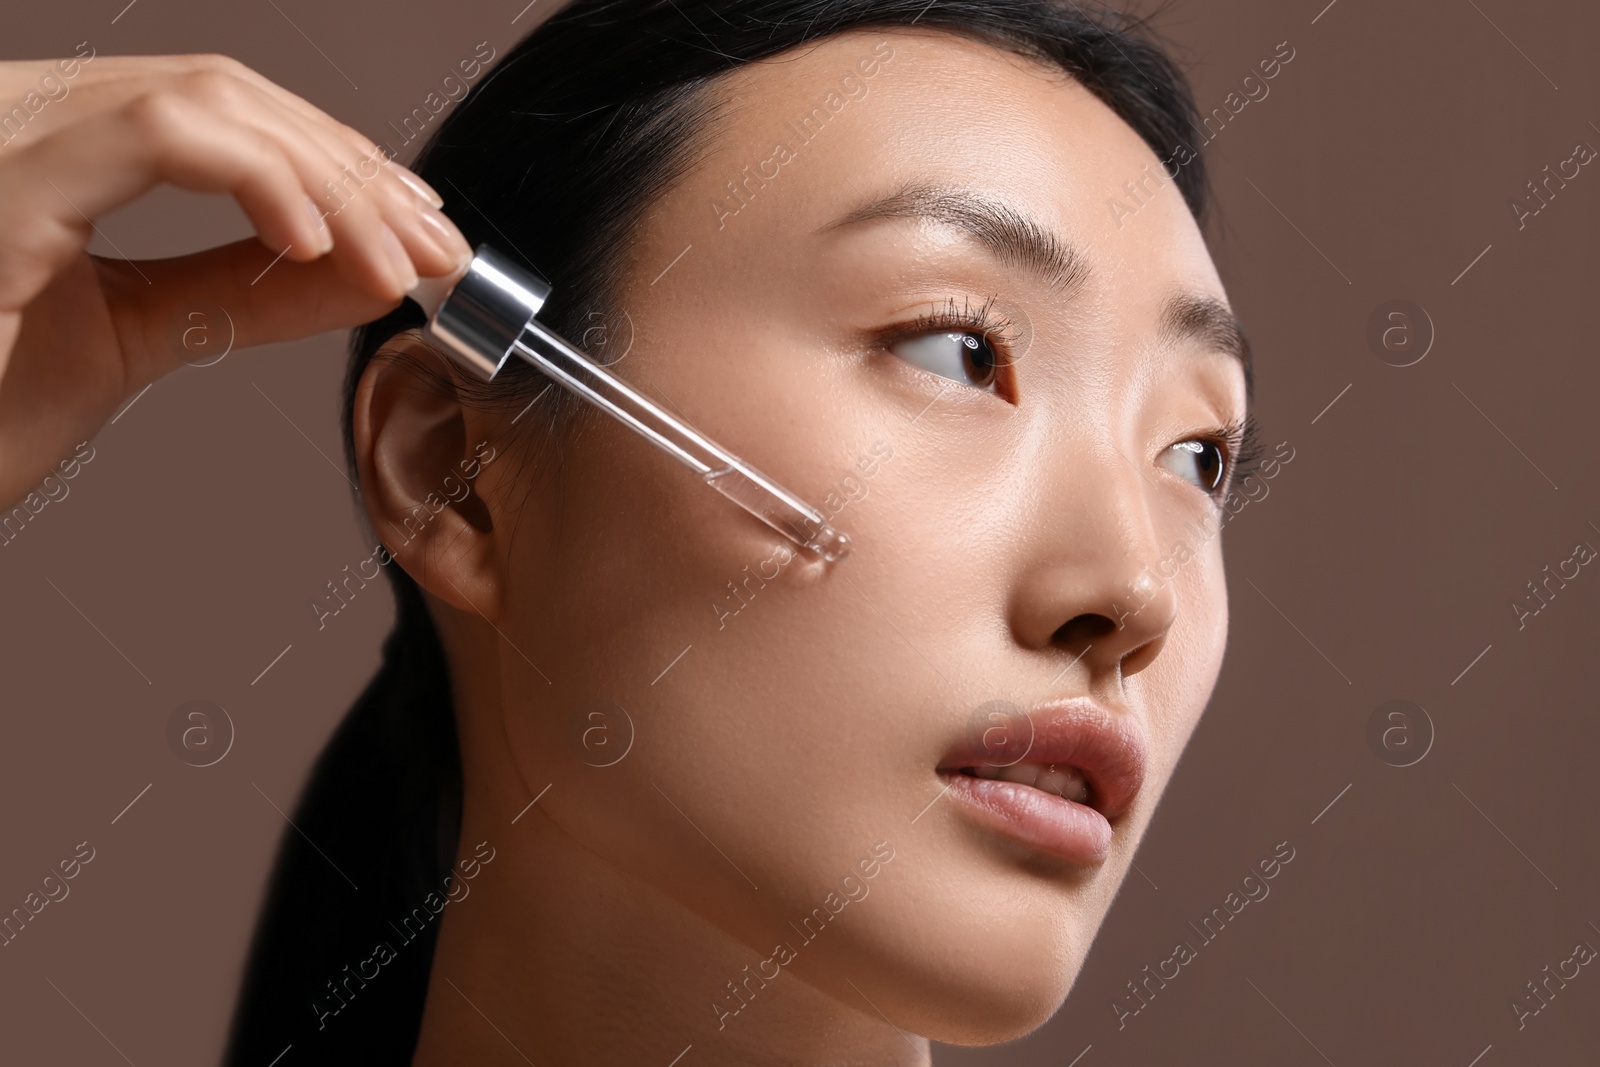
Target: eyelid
(1009,332)
(1240,439)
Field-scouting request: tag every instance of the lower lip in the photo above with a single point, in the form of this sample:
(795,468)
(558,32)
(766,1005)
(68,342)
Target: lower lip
(1044,821)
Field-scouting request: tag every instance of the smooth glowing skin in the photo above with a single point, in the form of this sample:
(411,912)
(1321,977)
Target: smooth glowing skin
(778,750)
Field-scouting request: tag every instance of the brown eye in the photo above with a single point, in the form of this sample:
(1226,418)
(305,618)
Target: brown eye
(1202,462)
(964,357)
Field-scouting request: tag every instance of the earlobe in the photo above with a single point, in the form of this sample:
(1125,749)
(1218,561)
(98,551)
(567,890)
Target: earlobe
(415,445)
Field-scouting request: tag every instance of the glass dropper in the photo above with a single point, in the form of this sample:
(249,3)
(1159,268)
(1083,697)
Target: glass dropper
(489,314)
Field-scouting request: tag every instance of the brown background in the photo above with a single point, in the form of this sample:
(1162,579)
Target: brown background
(1384,559)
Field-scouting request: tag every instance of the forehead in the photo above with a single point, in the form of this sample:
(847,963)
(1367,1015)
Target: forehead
(804,137)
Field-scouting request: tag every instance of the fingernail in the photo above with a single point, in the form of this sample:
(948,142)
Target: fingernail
(418,186)
(445,234)
(399,260)
(324,236)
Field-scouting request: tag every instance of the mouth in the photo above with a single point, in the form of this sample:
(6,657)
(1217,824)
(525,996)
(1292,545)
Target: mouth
(1058,778)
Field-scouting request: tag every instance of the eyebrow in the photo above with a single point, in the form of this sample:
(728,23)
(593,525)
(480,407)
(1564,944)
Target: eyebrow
(1015,239)
(1203,318)
(1018,240)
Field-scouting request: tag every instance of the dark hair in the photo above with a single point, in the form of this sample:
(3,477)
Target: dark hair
(552,157)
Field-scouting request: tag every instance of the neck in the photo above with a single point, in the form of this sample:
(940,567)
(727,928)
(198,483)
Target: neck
(558,957)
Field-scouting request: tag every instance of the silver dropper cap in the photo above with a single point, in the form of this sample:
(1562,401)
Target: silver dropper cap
(479,318)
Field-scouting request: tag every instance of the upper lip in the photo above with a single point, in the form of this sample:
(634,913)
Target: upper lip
(1107,747)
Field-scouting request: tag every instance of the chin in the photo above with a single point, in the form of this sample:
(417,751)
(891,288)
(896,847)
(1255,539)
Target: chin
(993,1003)
(976,961)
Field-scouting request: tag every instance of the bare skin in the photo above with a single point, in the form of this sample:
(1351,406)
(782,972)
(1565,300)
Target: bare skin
(774,749)
(79,334)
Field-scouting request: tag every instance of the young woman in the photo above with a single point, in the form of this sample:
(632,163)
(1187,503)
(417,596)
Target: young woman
(639,782)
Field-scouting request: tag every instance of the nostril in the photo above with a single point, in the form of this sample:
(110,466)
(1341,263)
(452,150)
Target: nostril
(1141,657)
(1099,641)
(1083,628)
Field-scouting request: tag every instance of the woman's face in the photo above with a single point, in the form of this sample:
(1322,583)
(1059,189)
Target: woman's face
(1023,532)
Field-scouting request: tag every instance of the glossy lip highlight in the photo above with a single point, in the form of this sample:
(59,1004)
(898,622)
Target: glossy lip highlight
(1106,747)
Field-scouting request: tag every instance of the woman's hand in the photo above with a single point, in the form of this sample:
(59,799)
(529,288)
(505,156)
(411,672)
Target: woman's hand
(343,234)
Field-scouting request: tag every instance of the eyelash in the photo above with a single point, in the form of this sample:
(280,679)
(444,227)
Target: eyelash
(1239,439)
(984,320)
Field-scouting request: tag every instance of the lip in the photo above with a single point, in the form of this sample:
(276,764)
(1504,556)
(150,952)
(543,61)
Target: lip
(1107,747)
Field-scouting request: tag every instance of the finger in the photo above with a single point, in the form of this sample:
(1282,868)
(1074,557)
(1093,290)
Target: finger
(368,210)
(325,155)
(114,69)
(50,190)
(435,245)
(236,295)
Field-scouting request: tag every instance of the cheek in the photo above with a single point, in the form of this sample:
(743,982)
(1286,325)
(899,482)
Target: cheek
(718,709)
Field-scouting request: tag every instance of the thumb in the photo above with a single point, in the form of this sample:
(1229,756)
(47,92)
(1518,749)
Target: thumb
(163,308)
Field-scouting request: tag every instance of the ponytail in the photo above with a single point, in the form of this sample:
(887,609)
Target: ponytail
(374,834)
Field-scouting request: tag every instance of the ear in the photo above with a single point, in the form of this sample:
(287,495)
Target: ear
(418,461)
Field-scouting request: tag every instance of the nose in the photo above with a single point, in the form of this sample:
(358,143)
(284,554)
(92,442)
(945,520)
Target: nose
(1090,583)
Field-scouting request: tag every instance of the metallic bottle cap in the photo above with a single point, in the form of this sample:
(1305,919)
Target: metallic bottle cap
(480,318)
